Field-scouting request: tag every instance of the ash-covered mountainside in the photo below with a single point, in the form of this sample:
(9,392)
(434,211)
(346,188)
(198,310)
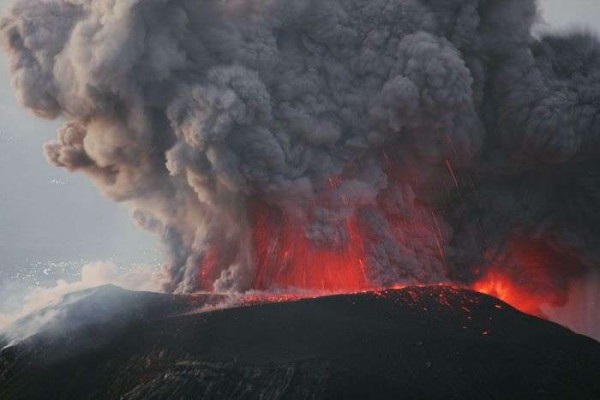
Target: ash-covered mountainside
(414,343)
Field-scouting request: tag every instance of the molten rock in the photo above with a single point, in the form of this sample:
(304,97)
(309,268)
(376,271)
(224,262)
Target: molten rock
(415,343)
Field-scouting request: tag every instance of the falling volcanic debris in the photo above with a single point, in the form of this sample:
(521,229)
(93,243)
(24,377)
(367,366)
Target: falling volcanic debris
(325,144)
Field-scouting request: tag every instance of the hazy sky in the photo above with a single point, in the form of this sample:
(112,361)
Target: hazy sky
(51,222)
(569,13)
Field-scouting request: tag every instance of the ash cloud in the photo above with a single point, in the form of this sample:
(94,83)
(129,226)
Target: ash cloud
(451,127)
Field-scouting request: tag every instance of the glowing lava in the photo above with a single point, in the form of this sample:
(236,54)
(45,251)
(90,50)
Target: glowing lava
(286,257)
(502,287)
(529,275)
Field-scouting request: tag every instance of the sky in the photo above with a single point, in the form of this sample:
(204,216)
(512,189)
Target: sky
(53,222)
(563,14)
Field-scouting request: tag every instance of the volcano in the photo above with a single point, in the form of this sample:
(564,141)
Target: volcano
(414,343)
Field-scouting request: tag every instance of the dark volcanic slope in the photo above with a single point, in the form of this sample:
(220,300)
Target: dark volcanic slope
(416,343)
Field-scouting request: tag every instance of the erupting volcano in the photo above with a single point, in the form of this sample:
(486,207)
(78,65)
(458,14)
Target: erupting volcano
(528,274)
(329,146)
(332,181)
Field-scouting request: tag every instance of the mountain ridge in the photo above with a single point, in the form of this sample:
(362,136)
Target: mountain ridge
(423,343)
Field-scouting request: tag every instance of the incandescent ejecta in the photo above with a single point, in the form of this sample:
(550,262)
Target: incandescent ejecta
(325,144)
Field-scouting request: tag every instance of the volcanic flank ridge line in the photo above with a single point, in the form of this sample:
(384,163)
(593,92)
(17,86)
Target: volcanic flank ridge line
(424,342)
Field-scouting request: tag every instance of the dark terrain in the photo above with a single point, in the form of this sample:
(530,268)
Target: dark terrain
(415,343)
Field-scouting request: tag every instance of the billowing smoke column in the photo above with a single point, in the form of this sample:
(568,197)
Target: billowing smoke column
(324,144)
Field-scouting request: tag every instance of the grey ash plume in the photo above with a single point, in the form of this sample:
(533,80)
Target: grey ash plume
(450,126)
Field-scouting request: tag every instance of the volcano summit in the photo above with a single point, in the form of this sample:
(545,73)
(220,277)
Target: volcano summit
(415,343)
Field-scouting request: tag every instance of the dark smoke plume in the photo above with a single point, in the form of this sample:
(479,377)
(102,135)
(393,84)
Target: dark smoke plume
(443,127)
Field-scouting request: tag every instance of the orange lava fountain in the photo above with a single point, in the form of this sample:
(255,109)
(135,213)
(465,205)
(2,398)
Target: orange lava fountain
(286,258)
(529,274)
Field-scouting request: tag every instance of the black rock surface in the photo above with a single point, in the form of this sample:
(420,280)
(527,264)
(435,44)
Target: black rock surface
(414,343)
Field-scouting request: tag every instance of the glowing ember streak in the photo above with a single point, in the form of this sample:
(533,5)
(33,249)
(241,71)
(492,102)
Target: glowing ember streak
(209,271)
(451,170)
(286,258)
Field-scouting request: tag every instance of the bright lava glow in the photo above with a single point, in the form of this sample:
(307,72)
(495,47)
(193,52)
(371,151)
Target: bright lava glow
(527,273)
(286,258)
